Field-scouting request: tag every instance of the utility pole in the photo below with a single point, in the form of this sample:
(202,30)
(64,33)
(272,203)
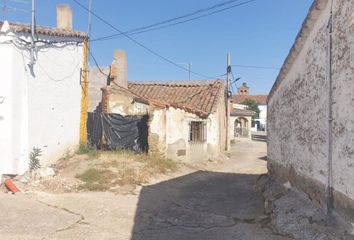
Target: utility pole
(33,22)
(189,70)
(85,82)
(228,81)
(89,27)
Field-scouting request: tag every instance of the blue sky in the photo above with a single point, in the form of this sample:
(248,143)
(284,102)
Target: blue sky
(257,34)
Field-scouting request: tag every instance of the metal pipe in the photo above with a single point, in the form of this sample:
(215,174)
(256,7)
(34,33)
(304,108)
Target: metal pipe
(329,190)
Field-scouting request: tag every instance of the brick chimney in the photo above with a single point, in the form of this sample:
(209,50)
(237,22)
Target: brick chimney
(244,89)
(119,71)
(64,17)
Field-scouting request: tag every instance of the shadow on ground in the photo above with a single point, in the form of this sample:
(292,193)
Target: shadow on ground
(259,137)
(202,205)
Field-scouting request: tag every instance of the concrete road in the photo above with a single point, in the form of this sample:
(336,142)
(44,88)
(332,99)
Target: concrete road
(210,201)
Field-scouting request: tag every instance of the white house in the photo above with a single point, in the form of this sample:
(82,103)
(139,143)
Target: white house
(260,123)
(310,109)
(40,102)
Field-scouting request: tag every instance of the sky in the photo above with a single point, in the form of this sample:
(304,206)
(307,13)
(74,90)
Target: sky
(259,33)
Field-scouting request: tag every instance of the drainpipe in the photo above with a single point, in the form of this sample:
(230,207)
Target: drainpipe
(329,190)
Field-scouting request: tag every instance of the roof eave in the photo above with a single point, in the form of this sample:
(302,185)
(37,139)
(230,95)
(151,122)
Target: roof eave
(315,10)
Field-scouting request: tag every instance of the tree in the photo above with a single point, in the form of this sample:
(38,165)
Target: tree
(252,105)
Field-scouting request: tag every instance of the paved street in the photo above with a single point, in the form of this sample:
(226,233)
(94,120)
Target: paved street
(211,201)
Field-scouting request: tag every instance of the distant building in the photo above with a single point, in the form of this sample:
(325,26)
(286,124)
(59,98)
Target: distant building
(187,119)
(260,123)
(240,122)
(310,144)
(40,103)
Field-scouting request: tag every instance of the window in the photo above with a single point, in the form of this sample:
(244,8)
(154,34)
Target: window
(197,132)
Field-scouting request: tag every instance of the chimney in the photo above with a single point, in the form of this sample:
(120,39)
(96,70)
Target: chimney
(64,17)
(119,70)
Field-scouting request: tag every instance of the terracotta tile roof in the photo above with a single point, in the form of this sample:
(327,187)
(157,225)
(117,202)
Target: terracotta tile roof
(242,112)
(198,97)
(45,30)
(261,99)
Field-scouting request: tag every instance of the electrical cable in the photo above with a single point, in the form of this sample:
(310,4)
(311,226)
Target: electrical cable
(142,45)
(259,67)
(154,27)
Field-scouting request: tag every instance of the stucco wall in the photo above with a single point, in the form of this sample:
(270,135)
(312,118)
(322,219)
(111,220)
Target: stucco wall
(13,117)
(44,102)
(179,147)
(298,110)
(97,80)
(233,126)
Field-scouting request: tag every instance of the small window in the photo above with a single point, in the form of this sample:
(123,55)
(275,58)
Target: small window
(197,131)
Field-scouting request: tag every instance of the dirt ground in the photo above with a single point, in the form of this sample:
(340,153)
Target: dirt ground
(211,200)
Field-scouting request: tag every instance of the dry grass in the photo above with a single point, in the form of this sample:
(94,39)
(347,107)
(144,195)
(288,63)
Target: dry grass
(109,169)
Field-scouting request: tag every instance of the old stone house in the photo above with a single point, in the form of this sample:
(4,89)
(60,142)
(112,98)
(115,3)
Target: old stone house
(310,109)
(243,94)
(41,101)
(187,119)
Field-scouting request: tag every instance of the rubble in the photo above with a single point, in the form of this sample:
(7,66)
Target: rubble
(294,215)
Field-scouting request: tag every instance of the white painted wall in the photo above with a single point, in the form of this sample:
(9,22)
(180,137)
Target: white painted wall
(298,110)
(175,130)
(263,116)
(41,107)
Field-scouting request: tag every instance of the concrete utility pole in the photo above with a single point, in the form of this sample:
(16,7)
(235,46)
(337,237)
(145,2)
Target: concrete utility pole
(33,22)
(228,82)
(89,27)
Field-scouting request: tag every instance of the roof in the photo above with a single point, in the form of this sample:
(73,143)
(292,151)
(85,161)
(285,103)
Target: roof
(45,30)
(242,112)
(261,99)
(198,97)
(307,26)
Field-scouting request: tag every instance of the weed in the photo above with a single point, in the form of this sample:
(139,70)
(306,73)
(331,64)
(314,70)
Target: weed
(122,167)
(95,179)
(34,159)
(87,149)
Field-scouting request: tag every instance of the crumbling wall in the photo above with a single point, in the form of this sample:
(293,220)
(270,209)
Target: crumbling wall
(298,112)
(97,80)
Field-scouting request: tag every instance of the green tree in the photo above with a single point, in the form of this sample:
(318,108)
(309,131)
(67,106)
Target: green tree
(252,105)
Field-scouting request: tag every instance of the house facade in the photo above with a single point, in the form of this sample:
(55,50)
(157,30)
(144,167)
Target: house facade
(187,119)
(243,94)
(310,109)
(41,101)
(240,121)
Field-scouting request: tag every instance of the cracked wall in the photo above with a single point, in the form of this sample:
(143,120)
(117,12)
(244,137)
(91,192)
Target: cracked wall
(298,109)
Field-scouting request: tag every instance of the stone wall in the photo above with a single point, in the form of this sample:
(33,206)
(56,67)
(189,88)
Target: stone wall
(97,80)
(298,111)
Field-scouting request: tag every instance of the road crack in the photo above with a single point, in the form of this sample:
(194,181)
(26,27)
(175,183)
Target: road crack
(71,226)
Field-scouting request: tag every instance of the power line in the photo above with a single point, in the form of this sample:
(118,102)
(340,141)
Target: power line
(140,44)
(153,27)
(257,67)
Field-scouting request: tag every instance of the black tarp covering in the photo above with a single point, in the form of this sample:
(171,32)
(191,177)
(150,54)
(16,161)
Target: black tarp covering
(119,132)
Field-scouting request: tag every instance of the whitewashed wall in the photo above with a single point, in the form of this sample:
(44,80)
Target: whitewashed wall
(263,115)
(298,110)
(43,108)
(172,125)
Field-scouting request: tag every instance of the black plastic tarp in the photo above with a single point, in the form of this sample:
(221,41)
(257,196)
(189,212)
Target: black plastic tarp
(117,131)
